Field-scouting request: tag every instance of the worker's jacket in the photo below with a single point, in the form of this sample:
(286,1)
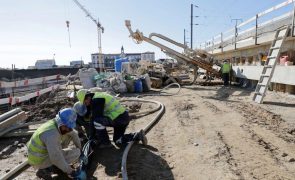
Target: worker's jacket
(225,68)
(112,107)
(37,151)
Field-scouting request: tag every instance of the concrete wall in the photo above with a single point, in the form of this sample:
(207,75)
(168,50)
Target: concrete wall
(282,74)
(35,73)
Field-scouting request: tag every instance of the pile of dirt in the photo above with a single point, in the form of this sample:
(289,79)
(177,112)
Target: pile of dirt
(49,107)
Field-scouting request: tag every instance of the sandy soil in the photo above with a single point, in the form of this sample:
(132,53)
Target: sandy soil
(206,133)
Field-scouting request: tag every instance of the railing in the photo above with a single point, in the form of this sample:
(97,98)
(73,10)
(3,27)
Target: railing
(251,34)
(28,82)
(14,100)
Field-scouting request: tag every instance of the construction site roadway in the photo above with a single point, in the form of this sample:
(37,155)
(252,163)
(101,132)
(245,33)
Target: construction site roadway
(207,132)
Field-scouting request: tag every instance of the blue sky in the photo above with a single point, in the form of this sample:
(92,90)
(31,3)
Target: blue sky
(34,29)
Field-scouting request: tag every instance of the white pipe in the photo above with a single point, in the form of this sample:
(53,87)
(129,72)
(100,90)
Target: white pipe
(9,114)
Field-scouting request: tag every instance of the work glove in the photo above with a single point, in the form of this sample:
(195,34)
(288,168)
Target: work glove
(83,159)
(78,175)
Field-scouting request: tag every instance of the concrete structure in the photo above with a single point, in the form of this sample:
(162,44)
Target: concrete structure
(109,59)
(246,47)
(19,74)
(78,63)
(45,64)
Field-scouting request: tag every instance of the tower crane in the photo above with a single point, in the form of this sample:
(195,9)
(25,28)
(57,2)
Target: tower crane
(100,30)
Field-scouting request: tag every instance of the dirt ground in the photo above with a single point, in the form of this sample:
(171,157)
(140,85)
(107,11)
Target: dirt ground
(207,132)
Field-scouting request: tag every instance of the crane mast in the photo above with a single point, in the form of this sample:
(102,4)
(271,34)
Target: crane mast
(100,30)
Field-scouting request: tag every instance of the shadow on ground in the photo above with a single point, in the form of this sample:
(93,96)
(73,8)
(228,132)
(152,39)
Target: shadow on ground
(146,163)
(278,104)
(143,163)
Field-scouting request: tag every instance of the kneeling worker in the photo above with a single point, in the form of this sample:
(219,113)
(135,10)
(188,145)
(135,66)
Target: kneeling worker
(83,119)
(107,111)
(45,147)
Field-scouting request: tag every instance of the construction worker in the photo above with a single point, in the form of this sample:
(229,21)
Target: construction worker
(47,148)
(225,69)
(83,118)
(108,112)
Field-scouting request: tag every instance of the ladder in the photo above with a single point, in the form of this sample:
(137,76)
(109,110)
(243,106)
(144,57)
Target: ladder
(270,64)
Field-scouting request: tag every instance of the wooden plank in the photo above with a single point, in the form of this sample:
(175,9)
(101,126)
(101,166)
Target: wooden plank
(20,132)
(15,170)
(17,126)
(13,119)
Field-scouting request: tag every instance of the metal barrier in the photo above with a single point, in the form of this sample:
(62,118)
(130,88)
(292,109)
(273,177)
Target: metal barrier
(15,100)
(29,82)
(234,37)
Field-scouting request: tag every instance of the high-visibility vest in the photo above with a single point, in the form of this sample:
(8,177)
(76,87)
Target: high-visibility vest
(37,151)
(225,68)
(112,107)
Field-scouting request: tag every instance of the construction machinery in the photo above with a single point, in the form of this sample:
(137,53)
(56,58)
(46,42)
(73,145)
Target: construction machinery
(100,30)
(194,58)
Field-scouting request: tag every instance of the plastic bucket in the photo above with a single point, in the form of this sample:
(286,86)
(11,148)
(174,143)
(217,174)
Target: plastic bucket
(138,86)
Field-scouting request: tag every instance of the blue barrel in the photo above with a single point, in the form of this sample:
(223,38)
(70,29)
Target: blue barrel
(138,86)
(118,64)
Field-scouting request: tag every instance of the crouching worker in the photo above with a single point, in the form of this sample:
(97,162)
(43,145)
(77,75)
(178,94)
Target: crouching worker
(108,112)
(83,118)
(47,148)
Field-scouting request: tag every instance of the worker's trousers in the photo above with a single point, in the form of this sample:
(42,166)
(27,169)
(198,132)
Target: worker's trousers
(119,124)
(81,122)
(225,77)
(71,155)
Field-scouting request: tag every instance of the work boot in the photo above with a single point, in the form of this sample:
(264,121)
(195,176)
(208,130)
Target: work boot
(44,173)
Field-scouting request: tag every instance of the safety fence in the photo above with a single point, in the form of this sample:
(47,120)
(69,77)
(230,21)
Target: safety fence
(15,100)
(29,82)
(245,32)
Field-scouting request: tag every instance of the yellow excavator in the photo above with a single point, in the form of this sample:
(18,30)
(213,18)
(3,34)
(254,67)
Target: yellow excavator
(194,58)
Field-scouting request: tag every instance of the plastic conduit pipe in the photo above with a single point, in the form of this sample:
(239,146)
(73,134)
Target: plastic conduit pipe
(145,130)
(166,87)
(143,112)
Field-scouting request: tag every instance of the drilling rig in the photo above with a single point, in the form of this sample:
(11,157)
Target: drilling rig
(194,58)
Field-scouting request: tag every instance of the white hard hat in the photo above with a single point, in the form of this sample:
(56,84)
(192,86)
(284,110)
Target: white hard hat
(80,108)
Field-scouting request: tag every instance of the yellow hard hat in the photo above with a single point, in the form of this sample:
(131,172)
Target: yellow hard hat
(81,95)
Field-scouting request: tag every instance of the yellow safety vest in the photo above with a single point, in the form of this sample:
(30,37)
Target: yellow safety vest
(112,107)
(226,68)
(37,151)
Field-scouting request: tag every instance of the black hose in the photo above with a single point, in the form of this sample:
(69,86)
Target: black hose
(145,130)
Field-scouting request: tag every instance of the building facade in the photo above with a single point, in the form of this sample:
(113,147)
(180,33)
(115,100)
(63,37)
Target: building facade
(45,64)
(109,59)
(148,56)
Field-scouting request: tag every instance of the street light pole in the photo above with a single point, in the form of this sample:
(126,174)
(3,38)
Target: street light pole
(192,23)
(196,31)
(184,37)
(192,14)
(236,30)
